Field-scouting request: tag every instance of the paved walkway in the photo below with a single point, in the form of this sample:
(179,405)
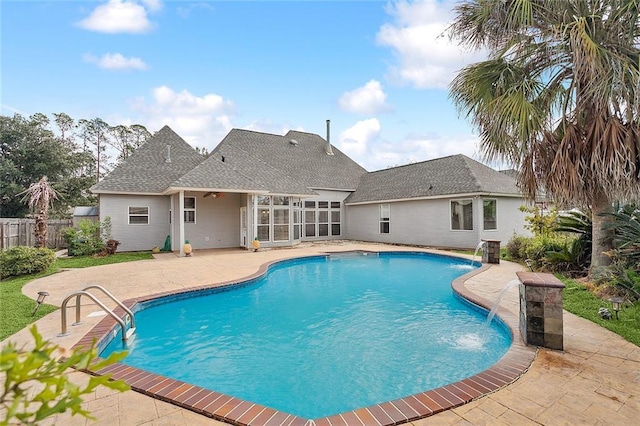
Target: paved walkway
(595,381)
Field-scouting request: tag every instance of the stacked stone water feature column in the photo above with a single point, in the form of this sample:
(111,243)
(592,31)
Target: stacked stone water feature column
(491,251)
(541,310)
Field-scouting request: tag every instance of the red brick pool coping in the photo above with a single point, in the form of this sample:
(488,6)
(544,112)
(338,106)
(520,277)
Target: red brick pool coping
(229,409)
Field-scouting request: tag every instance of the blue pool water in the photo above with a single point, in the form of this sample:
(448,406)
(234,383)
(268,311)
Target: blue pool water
(319,336)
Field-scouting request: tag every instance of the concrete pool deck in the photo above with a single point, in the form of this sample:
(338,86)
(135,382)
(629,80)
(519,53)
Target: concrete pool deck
(594,381)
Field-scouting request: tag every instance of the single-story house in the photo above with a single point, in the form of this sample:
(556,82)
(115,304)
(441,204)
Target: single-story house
(286,189)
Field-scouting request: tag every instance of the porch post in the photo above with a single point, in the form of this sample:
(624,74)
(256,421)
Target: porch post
(181,222)
(254,219)
(172,221)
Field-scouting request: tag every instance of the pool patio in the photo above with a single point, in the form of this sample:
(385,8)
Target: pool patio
(594,381)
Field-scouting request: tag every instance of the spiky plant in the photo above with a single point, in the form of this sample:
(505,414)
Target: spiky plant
(40,196)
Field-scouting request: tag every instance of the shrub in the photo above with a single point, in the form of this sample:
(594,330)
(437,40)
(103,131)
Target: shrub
(105,229)
(35,385)
(625,225)
(84,240)
(23,260)
(541,223)
(573,258)
(111,246)
(514,246)
(550,253)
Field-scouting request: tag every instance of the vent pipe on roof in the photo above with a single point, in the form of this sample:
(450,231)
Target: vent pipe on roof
(168,157)
(327,148)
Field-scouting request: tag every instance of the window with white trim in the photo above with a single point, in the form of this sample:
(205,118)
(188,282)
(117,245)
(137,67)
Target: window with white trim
(280,218)
(490,214)
(189,209)
(462,215)
(309,223)
(385,218)
(322,218)
(138,215)
(297,219)
(335,222)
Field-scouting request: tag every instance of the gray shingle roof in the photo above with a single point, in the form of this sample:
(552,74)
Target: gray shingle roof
(275,158)
(239,171)
(147,170)
(269,178)
(456,174)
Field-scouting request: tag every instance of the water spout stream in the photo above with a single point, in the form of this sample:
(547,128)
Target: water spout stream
(479,247)
(496,304)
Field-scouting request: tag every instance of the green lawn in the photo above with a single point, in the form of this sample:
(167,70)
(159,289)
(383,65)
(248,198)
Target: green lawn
(16,309)
(580,301)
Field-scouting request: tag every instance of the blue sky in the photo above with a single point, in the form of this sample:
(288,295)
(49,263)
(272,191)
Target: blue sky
(378,70)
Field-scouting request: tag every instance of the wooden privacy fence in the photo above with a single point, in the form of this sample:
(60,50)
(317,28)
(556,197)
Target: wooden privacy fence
(19,232)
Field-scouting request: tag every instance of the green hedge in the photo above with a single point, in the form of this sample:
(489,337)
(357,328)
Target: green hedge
(22,260)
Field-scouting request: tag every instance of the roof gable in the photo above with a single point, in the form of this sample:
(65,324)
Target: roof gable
(456,174)
(152,167)
(298,157)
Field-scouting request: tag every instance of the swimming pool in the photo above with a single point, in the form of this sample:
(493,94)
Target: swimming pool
(367,340)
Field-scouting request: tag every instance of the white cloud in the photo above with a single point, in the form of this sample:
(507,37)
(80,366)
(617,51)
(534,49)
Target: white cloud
(415,148)
(200,120)
(426,57)
(153,5)
(184,11)
(368,99)
(268,126)
(121,16)
(365,144)
(115,61)
(355,140)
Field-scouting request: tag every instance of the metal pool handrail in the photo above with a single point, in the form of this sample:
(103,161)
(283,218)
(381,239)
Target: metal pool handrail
(84,292)
(109,295)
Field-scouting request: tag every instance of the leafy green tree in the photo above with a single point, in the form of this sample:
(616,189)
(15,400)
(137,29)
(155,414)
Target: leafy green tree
(558,97)
(35,385)
(28,151)
(95,133)
(125,139)
(65,124)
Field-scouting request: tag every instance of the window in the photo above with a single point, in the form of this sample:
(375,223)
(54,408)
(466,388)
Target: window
(264,200)
(297,223)
(310,223)
(280,224)
(322,218)
(189,209)
(280,201)
(323,223)
(490,215)
(138,215)
(385,212)
(264,219)
(335,221)
(462,215)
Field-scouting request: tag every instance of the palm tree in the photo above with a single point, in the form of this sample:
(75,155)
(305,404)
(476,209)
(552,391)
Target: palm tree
(558,97)
(40,196)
